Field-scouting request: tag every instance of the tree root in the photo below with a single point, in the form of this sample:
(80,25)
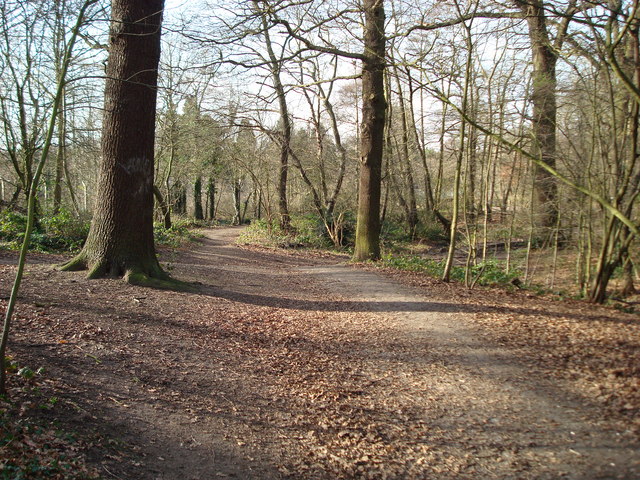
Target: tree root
(96,271)
(80,262)
(137,277)
(152,277)
(76,264)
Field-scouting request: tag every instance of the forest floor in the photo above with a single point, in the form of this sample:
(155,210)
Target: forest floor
(292,364)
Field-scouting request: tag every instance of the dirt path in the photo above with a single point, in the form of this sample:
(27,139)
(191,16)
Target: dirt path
(292,366)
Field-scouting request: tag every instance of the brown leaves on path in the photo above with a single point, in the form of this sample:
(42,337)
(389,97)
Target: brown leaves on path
(274,371)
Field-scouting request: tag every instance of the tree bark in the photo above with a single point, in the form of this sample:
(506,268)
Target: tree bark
(179,198)
(285,128)
(164,207)
(120,241)
(412,213)
(628,287)
(211,198)
(372,133)
(237,203)
(543,98)
(198,212)
(60,159)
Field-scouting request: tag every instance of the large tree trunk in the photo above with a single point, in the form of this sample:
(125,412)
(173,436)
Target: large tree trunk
(372,137)
(120,241)
(543,98)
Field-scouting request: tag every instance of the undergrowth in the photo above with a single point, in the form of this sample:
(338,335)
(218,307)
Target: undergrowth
(488,273)
(181,232)
(307,232)
(65,232)
(394,233)
(62,232)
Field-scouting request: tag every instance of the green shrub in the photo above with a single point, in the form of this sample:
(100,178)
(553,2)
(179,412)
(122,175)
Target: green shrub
(487,273)
(12,225)
(392,231)
(62,232)
(395,231)
(261,232)
(65,225)
(179,233)
(307,232)
(65,232)
(431,232)
(492,272)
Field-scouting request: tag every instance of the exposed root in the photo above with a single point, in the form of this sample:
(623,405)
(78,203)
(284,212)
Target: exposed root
(76,264)
(97,271)
(136,277)
(153,276)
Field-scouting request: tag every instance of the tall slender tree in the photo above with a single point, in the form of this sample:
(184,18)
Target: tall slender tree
(275,66)
(120,241)
(33,188)
(374,109)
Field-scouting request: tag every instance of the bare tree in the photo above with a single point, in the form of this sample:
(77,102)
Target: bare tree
(545,52)
(35,181)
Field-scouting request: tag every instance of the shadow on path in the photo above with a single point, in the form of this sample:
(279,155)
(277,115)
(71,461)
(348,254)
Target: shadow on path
(389,306)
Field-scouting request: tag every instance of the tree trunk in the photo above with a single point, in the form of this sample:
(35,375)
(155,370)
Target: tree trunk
(72,193)
(412,204)
(285,128)
(13,203)
(164,207)
(372,133)
(211,198)
(259,205)
(179,198)
(598,292)
(237,204)
(430,202)
(543,98)
(628,287)
(120,241)
(331,201)
(198,212)
(446,275)
(60,160)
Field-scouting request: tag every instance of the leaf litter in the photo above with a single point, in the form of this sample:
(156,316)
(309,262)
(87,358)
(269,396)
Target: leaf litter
(271,373)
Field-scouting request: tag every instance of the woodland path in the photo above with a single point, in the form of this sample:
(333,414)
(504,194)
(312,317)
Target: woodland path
(290,365)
